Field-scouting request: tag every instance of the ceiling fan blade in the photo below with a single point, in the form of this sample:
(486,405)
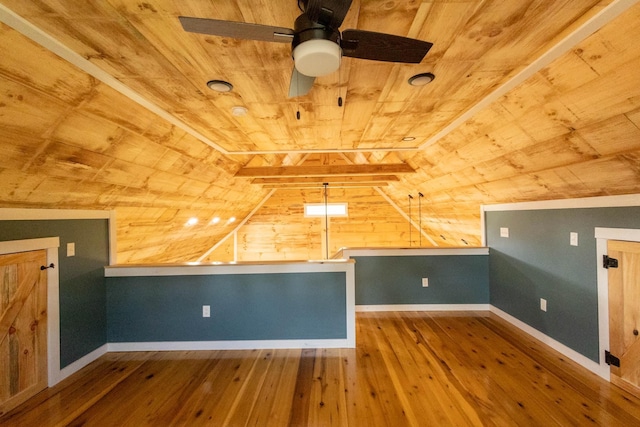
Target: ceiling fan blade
(300,84)
(236,30)
(383,47)
(329,13)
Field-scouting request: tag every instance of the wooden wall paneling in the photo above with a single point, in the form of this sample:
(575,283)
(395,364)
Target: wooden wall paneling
(225,252)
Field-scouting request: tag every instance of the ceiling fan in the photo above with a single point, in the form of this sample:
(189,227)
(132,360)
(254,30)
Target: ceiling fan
(316,42)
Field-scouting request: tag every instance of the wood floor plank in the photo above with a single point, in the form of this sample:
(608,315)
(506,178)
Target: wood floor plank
(408,369)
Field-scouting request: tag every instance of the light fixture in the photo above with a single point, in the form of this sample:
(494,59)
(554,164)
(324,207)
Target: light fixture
(219,85)
(215,220)
(421,79)
(409,138)
(317,57)
(239,111)
(232,219)
(192,221)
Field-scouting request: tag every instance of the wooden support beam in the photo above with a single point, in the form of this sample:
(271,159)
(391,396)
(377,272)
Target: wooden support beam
(349,179)
(320,185)
(295,171)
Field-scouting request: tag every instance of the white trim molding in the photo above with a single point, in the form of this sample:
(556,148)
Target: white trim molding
(20,214)
(79,364)
(556,345)
(585,202)
(422,307)
(347,253)
(228,345)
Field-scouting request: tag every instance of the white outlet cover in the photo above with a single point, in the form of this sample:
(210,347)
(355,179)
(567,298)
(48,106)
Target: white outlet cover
(425,282)
(543,304)
(573,238)
(504,232)
(206,311)
(71,249)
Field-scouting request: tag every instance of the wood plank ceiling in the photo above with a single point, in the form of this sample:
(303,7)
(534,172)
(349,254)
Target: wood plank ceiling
(104,105)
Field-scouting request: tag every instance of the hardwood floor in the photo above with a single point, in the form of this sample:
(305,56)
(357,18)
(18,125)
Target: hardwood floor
(413,369)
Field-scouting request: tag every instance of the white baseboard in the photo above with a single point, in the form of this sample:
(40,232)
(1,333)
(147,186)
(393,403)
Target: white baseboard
(337,343)
(229,345)
(423,307)
(71,369)
(580,359)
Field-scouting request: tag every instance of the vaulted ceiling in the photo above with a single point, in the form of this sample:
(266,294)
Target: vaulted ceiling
(104,105)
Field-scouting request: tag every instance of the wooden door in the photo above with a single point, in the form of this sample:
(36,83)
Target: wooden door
(624,314)
(23,327)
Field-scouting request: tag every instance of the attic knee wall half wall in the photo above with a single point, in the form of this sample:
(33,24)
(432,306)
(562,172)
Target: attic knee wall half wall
(531,257)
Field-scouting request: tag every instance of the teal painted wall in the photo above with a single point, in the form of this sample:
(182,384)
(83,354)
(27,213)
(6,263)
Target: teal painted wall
(243,307)
(453,279)
(83,315)
(536,261)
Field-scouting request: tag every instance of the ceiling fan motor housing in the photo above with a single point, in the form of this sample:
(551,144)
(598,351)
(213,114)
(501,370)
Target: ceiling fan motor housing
(316,48)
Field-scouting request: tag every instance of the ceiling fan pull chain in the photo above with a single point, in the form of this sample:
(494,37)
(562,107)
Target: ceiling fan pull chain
(340,87)
(297,92)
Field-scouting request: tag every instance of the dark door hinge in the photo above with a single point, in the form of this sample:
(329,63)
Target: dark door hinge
(609,262)
(610,359)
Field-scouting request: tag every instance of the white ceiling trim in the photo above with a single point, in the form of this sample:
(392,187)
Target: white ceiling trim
(599,20)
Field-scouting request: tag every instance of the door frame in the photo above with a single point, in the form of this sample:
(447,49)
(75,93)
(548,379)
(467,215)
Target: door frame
(51,245)
(603,235)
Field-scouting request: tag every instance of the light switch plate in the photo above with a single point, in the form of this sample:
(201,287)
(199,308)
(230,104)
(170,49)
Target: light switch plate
(573,238)
(425,282)
(71,249)
(206,311)
(504,232)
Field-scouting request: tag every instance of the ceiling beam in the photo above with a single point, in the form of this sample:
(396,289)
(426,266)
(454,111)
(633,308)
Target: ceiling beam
(319,185)
(349,179)
(318,171)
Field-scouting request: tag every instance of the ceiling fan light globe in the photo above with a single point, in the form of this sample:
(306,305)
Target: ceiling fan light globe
(317,57)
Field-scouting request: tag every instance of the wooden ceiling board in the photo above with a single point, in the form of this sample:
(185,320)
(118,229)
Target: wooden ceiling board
(70,140)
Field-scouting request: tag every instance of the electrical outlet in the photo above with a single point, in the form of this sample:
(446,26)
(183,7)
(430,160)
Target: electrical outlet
(206,311)
(543,304)
(504,232)
(71,249)
(573,239)
(425,282)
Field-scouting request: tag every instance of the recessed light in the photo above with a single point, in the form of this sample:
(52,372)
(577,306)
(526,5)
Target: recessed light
(215,220)
(192,221)
(239,111)
(219,85)
(421,79)
(232,219)
(409,138)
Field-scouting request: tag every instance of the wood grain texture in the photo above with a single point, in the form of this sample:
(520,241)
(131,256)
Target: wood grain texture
(409,369)
(23,327)
(69,140)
